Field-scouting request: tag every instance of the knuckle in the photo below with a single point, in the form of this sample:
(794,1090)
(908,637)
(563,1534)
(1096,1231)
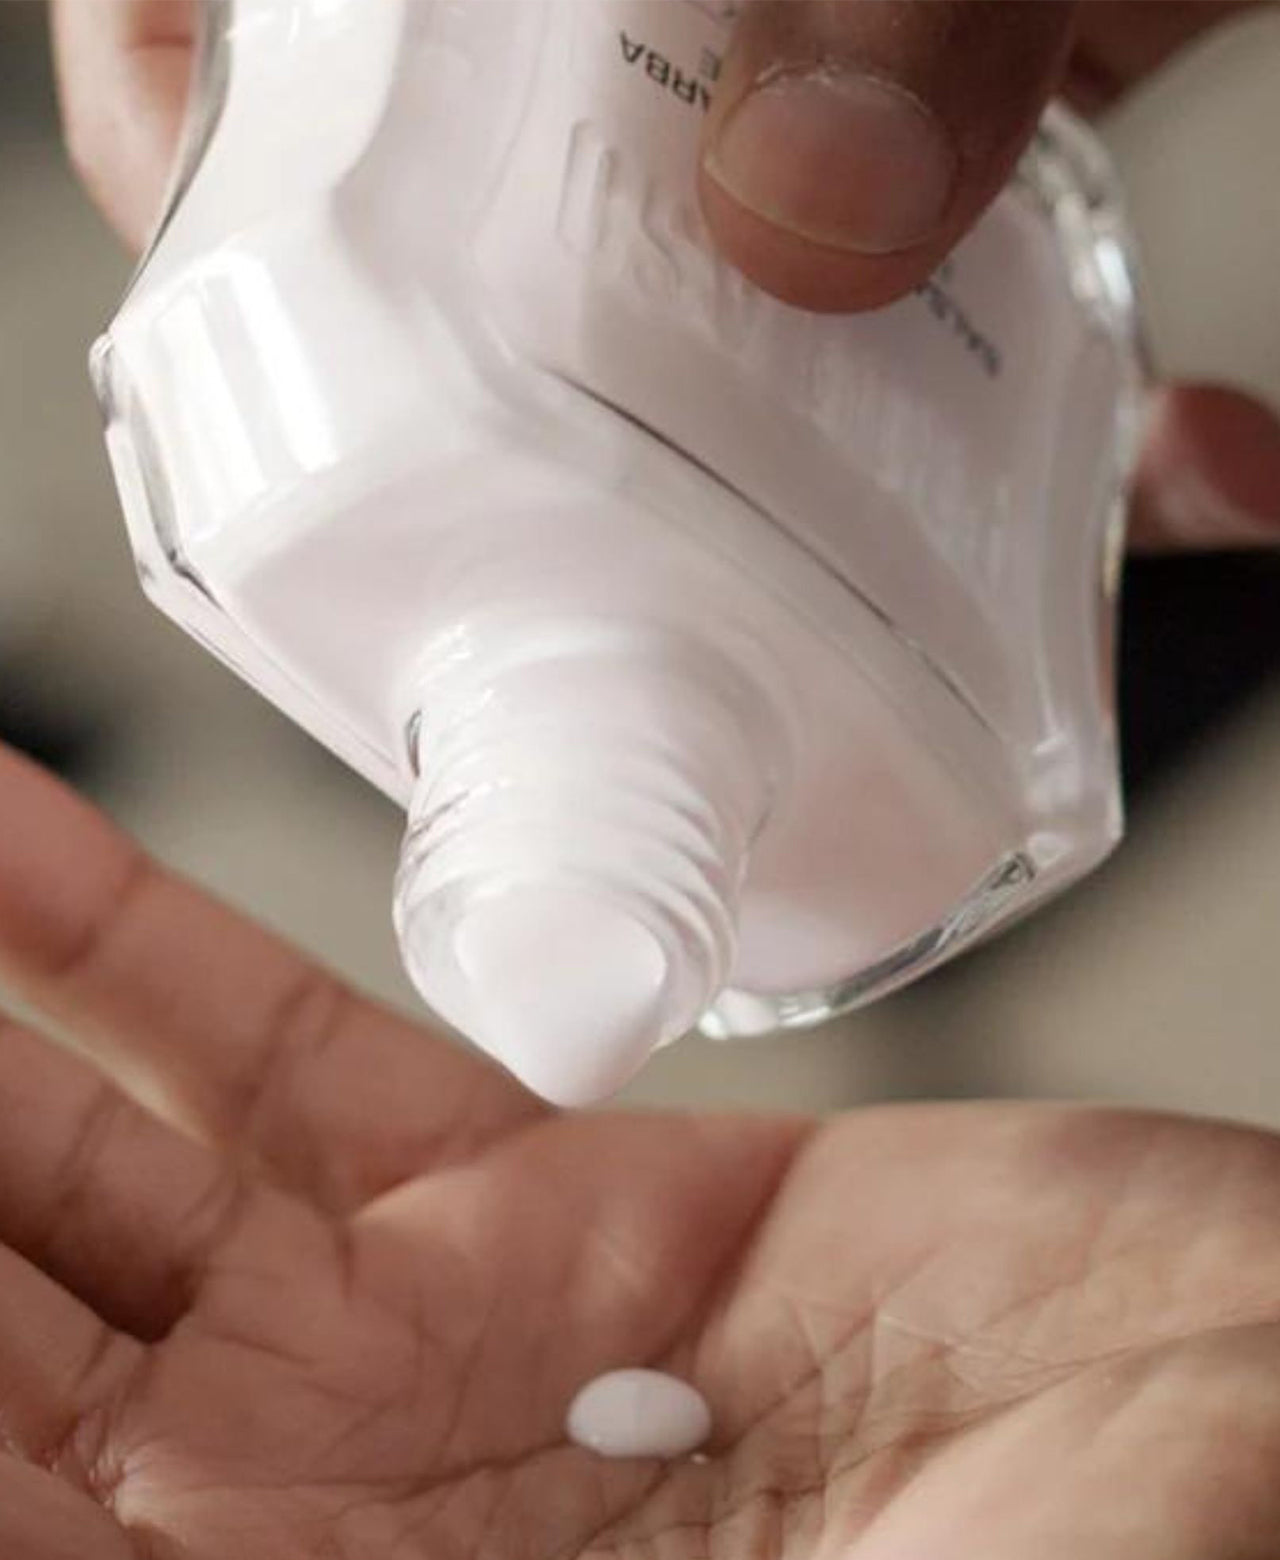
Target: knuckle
(87,938)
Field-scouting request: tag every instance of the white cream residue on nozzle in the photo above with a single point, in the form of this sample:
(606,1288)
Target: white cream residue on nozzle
(562,987)
(639,1413)
(587,789)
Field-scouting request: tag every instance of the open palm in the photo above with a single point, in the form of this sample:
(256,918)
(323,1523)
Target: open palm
(335,1303)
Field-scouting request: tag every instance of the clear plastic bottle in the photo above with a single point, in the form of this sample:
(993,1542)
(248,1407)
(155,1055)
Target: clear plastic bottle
(733,665)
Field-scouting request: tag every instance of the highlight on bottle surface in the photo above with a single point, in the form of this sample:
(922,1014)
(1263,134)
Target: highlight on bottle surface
(733,665)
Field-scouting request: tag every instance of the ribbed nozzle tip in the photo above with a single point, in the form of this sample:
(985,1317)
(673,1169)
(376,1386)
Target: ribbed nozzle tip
(569,981)
(568,991)
(568,892)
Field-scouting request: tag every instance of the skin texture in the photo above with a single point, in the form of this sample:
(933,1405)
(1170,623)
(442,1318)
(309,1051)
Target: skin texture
(330,1294)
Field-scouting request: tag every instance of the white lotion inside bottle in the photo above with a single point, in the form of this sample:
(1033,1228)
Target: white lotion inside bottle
(733,665)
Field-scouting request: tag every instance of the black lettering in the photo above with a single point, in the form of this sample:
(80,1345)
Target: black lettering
(685,88)
(631,52)
(658,69)
(952,316)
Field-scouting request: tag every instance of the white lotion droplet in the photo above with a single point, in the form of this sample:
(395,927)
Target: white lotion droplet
(563,988)
(639,1413)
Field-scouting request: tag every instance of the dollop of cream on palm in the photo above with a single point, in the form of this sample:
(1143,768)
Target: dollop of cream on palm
(639,1413)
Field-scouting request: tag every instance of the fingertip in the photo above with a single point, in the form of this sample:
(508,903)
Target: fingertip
(798,270)
(1209,476)
(829,187)
(850,146)
(777,152)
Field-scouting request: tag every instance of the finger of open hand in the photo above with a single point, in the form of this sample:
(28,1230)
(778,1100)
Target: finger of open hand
(60,1365)
(123,70)
(223,1028)
(111,1203)
(42,1517)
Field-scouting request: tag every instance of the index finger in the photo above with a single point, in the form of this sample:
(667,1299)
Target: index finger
(227,1030)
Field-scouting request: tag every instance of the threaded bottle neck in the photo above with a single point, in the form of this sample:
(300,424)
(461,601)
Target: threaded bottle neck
(586,802)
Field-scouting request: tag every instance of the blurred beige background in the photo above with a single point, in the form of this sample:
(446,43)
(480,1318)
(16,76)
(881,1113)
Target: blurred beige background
(1158,983)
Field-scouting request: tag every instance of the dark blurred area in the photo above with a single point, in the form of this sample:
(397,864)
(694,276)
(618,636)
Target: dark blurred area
(1200,640)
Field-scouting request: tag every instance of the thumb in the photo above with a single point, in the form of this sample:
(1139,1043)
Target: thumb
(852,142)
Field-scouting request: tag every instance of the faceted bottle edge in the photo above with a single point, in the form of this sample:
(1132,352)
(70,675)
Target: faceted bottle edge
(1069,172)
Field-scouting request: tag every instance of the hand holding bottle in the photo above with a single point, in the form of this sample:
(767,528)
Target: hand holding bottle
(847,149)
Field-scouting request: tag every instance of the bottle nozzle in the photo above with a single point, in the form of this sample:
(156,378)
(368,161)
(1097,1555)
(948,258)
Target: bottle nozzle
(566,989)
(568,892)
